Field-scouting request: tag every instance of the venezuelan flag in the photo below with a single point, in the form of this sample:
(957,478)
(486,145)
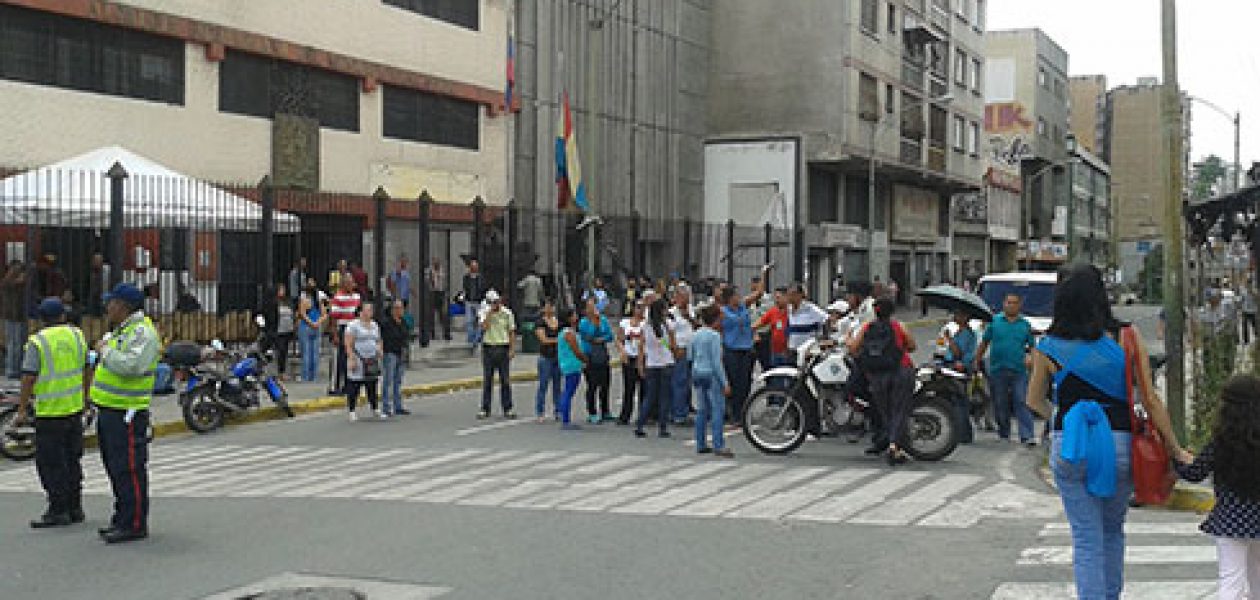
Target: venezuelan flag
(569,184)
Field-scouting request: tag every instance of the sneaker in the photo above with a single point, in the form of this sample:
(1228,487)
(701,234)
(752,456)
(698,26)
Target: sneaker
(663,434)
(593,420)
(724,453)
(485,414)
(704,450)
(353,416)
(607,418)
(570,427)
(509,415)
(639,433)
(541,418)
(401,411)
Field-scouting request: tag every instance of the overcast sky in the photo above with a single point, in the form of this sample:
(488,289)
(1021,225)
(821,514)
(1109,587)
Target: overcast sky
(1121,39)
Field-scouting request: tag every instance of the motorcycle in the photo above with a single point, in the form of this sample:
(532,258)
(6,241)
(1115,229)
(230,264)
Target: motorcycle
(813,397)
(212,394)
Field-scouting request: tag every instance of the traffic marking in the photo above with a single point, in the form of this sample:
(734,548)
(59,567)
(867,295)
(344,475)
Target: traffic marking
(1133,555)
(1139,590)
(492,427)
(841,508)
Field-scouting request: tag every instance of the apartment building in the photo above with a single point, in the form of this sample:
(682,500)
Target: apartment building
(1088,96)
(889,86)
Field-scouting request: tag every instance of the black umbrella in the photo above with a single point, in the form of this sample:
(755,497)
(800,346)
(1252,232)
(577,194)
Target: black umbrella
(952,299)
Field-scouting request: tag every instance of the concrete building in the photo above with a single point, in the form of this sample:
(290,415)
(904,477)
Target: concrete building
(1135,151)
(1087,220)
(636,75)
(897,83)
(1088,96)
(1026,121)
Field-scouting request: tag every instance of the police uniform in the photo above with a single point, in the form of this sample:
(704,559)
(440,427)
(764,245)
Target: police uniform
(56,357)
(122,388)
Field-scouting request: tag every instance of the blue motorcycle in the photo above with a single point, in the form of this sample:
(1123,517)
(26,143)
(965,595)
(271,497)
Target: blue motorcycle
(236,386)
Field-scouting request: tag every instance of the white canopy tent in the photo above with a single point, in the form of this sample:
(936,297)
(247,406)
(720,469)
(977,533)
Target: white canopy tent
(76,193)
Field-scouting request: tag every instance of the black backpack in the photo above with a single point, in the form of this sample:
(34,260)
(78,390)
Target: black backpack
(880,353)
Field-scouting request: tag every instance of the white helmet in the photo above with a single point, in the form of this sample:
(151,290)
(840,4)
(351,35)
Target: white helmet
(839,306)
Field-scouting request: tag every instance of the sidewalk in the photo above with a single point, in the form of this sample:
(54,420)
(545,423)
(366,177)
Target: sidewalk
(442,367)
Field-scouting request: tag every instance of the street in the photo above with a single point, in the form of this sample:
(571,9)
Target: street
(439,504)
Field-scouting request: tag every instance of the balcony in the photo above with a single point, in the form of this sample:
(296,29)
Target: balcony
(936,158)
(911,152)
(912,75)
(918,31)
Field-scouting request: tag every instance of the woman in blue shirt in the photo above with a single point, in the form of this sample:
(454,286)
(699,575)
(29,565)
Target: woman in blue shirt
(1091,424)
(572,359)
(596,333)
(960,351)
(708,376)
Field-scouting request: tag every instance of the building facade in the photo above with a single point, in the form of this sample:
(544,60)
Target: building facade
(1026,121)
(1088,96)
(1087,223)
(1135,151)
(889,85)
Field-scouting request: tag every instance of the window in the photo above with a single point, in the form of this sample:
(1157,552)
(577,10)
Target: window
(46,49)
(889,99)
(976,69)
(960,67)
(979,22)
(824,196)
(1059,88)
(973,139)
(870,16)
(892,19)
(1041,79)
(261,87)
(868,97)
(424,117)
(464,13)
(1041,127)
(960,134)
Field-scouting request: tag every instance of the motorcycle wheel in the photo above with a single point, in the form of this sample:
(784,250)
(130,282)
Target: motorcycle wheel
(14,445)
(202,412)
(931,434)
(774,422)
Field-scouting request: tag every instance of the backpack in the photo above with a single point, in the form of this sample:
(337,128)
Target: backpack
(880,353)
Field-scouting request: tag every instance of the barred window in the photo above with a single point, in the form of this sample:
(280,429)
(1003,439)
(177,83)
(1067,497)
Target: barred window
(430,118)
(870,15)
(47,49)
(261,87)
(464,13)
(868,97)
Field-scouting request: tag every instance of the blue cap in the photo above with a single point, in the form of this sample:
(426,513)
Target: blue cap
(127,293)
(51,308)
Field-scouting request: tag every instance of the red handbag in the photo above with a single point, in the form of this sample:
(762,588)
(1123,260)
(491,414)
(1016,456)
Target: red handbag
(1153,476)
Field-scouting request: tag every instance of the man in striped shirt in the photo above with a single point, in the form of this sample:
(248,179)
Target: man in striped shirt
(345,303)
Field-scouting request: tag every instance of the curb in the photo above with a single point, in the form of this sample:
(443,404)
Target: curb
(322,404)
(1185,497)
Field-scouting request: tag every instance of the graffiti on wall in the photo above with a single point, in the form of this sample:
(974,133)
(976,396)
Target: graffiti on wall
(1010,132)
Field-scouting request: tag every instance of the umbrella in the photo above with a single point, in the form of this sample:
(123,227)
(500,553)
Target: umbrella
(952,298)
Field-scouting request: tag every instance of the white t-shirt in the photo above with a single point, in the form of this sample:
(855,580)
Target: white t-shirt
(683,331)
(631,334)
(656,351)
(804,323)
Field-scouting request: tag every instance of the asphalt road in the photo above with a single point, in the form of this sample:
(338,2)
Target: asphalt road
(439,504)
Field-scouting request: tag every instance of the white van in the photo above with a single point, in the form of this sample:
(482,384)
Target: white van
(1037,290)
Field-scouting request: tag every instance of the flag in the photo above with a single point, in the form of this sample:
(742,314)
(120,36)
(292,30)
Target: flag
(511,74)
(569,185)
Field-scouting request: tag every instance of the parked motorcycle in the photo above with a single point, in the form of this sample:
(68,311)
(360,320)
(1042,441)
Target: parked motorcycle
(792,402)
(17,441)
(233,387)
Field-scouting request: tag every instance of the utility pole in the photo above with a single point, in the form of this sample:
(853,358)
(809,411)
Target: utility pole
(1174,240)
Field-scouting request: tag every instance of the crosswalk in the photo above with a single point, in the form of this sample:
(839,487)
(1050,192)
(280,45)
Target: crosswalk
(1164,560)
(578,482)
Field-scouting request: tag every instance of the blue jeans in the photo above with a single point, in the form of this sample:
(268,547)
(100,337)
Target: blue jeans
(392,369)
(1097,523)
(656,396)
(1008,390)
(571,381)
(548,373)
(680,389)
(308,342)
(710,412)
(470,322)
(14,341)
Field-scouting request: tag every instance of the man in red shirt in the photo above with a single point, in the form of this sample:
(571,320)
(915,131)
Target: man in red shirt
(342,310)
(777,320)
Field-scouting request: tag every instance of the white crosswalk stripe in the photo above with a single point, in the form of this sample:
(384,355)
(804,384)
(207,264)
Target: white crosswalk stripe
(590,482)
(1164,560)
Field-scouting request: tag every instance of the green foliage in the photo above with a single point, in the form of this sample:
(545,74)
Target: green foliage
(1207,177)
(1151,277)
(1219,354)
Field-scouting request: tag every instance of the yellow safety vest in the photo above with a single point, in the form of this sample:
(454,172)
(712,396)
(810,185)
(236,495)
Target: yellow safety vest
(125,392)
(62,356)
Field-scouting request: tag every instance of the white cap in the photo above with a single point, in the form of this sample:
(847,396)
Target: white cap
(492,296)
(839,306)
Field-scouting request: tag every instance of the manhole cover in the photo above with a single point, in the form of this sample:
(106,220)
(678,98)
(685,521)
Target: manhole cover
(307,593)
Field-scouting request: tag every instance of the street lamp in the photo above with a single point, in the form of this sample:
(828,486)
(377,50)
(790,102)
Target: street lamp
(1237,120)
(870,180)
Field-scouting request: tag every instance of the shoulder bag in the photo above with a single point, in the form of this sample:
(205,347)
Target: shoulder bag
(1153,476)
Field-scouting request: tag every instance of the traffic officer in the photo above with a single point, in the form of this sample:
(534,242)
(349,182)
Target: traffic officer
(52,369)
(121,388)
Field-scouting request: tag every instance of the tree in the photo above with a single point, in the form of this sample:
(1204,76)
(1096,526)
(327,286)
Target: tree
(1208,175)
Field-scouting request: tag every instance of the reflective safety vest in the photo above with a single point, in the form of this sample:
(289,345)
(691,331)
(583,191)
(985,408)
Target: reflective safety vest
(126,392)
(62,356)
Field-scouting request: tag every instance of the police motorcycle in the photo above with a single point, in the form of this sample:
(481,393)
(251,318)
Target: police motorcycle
(813,397)
(216,390)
